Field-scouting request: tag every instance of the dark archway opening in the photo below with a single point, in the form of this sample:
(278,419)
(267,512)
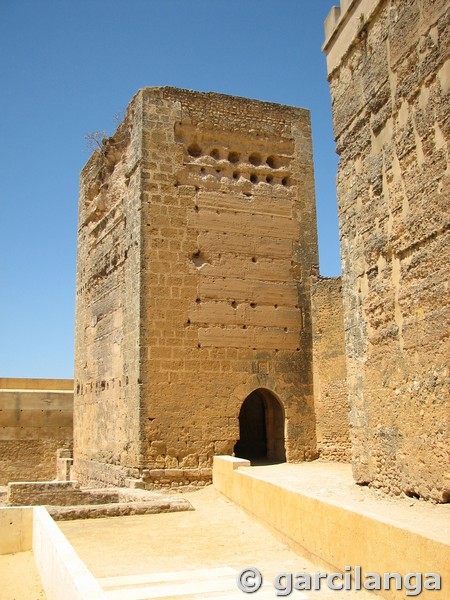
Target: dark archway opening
(261,428)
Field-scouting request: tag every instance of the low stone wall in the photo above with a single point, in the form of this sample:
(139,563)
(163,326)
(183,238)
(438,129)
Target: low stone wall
(58,493)
(36,418)
(64,576)
(332,533)
(65,500)
(95,474)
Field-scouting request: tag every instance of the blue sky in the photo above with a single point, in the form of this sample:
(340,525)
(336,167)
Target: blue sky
(67,67)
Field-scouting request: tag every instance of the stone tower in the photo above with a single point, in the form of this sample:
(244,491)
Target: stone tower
(389,73)
(197,237)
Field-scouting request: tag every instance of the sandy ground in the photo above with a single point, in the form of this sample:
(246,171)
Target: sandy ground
(216,534)
(19,579)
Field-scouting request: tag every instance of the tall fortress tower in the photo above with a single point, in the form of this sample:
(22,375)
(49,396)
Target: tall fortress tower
(197,238)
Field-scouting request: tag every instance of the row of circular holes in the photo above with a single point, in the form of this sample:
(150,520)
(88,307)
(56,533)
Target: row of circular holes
(253,177)
(255,159)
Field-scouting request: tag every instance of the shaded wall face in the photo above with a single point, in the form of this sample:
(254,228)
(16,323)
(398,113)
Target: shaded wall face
(35,421)
(229,237)
(330,373)
(390,93)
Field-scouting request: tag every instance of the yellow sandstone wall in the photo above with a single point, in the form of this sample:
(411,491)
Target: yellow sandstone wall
(35,420)
(197,236)
(330,374)
(389,74)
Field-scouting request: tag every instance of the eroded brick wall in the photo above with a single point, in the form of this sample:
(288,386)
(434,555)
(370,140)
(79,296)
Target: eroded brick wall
(224,243)
(35,420)
(330,373)
(389,74)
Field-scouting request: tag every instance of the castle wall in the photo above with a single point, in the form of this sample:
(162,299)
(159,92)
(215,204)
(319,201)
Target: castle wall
(389,74)
(330,373)
(35,420)
(225,202)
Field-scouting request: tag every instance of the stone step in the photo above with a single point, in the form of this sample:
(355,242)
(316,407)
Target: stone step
(132,580)
(263,594)
(118,509)
(186,585)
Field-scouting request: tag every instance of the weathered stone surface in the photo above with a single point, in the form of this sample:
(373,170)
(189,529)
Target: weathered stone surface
(196,240)
(389,73)
(60,493)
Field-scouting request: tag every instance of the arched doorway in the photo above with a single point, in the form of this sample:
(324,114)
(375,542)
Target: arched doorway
(261,428)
